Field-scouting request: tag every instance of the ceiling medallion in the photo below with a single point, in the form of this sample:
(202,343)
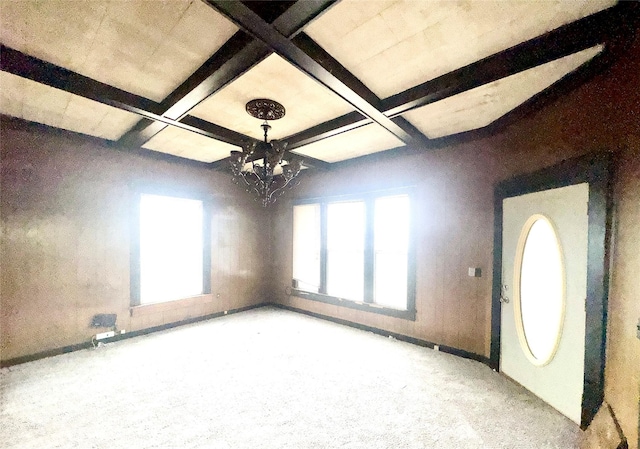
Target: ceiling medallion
(265,109)
(264,157)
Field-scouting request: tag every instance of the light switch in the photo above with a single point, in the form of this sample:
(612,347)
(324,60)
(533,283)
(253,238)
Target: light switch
(475,272)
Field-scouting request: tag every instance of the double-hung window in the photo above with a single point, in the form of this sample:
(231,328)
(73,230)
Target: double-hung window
(356,251)
(391,251)
(346,229)
(306,246)
(171,260)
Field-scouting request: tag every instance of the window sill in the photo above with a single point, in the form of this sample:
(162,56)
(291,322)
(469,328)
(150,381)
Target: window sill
(155,307)
(364,306)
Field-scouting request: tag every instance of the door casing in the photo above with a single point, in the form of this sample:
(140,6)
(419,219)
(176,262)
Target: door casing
(593,169)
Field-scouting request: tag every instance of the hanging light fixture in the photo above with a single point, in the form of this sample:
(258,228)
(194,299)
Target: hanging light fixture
(265,157)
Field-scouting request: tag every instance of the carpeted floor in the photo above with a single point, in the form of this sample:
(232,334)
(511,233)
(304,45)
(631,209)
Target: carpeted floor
(270,378)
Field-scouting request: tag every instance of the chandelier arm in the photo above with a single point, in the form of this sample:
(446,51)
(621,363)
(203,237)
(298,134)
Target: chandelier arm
(251,181)
(279,190)
(253,186)
(244,178)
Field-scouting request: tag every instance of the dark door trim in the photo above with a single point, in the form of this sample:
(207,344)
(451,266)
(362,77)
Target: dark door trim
(594,169)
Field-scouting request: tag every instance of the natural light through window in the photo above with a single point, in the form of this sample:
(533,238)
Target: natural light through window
(306,246)
(391,246)
(541,288)
(345,250)
(355,251)
(171,248)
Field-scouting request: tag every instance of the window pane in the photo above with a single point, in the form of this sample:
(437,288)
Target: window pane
(391,245)
(345,250)
(306,246)
(171,253)
(542,283)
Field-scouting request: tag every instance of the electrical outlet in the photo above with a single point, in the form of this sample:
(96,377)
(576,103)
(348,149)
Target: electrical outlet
(475,272)
(104,335)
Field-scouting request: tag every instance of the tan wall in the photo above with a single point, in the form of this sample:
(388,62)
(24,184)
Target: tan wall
(66,203)
(455,221)
(622,373)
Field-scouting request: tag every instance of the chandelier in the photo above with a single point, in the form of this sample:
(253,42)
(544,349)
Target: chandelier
(266,158)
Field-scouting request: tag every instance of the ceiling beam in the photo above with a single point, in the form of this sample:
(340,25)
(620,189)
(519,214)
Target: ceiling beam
(235,57)
(254,25)
(325,60)
(319,54)
(338,125)
(25,66)
(239,54)
(563,41)
(309,161)
(568,39)
(616,47)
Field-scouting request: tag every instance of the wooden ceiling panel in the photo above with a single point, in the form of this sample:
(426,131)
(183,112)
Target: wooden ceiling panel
(395,45)
(144,47)
(307,103)
(186,144)
(23,98)
(483,105)
(358,142)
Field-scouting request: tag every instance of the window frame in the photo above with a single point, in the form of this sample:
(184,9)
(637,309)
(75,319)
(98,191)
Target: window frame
(368,303)
(135,259)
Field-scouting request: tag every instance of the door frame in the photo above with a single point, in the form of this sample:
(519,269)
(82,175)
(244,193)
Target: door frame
(594,169)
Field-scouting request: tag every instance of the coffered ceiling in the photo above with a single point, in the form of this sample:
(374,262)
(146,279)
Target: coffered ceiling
(355,77)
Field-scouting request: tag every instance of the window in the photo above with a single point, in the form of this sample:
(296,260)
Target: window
(356,252)
(345,250)
(172,262)
(539,300)
(391,250)
(306,244)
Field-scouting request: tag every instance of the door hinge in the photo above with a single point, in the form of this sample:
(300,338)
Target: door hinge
(503,294)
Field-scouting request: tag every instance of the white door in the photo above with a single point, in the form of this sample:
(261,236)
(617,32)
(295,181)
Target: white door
(544,278)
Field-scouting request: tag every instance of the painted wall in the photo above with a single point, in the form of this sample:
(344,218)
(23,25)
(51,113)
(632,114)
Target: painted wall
(455,221)
(66,207)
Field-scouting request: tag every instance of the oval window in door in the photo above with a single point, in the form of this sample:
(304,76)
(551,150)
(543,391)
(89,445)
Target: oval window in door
(539,287)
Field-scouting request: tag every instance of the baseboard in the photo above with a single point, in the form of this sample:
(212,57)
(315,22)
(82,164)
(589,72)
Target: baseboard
(375,330)
(88,344)
(416,341)
(44,354)
(624,444)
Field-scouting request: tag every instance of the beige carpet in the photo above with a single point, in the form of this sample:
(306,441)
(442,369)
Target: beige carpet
(270,378)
